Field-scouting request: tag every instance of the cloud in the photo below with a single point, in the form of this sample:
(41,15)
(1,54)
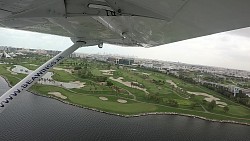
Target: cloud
(25,39)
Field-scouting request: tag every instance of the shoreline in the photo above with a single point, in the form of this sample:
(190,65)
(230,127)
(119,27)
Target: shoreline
(133,115)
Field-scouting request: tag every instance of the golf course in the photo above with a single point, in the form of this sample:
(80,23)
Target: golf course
(124,90)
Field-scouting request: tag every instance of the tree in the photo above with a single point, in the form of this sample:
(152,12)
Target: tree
(193,105)
(204,101)
(109,66)
(226,109)
(77,68)
(109,83)
(154,97)
(173,103)
(212,105)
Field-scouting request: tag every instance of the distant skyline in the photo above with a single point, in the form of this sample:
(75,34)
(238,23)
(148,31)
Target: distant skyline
(228,49)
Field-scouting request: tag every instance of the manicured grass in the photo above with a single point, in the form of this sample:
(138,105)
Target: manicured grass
(89,95)
(30,67)
(131,107)
(134,91)
(184,102)
(3,69)
(96,72)
(13,79)
(202,114)
(111,105)
(166,92)
(238,110)
(63,76)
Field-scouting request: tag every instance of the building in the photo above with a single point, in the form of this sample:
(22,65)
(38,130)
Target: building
(73,55)
(147,65)
(112,60)
(233,89)
(5,55)
(125,61)
(246,91)
(157,66)
(120,61)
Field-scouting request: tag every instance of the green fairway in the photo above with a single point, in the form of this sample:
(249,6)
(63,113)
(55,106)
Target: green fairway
(13,79)
(30,66)
(132,107)
(63,76)
(111,105)
(157,98)
(238,110)
(96,72)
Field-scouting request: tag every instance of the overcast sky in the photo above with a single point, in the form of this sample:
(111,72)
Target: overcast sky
(228,49)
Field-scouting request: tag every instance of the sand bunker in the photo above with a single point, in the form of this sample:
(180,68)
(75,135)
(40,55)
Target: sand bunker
(78,83)
(67,70)
(107,72)
(122,101)
(8,69)
(58,94)
(144,73)
(103,98)
(126,83)
(48,80)
(210,98)
(68,85)
(172,83)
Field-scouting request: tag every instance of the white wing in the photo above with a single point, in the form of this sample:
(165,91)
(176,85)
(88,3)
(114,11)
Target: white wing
(127,22)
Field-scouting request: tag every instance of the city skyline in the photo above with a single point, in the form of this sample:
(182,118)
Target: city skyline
(228,49)
(147,63)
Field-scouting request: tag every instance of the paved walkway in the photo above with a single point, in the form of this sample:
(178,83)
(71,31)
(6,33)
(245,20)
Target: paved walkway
(204,108)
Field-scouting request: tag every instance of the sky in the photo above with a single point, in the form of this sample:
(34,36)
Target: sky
(227,49)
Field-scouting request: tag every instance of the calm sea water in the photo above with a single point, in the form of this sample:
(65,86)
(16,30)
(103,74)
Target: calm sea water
(30,117)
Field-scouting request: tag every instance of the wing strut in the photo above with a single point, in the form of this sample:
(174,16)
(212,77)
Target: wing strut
(32,78)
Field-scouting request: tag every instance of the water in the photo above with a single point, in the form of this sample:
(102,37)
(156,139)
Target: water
(31,117)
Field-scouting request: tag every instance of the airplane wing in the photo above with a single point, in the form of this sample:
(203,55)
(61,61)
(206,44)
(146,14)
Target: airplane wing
(144,23)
